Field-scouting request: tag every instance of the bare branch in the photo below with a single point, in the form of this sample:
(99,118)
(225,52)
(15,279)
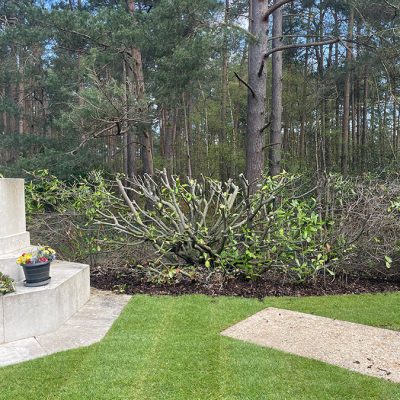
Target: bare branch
(246,84)
(295,46)
(275,7)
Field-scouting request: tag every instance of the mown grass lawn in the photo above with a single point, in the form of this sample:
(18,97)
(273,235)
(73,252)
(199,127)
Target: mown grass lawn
(170,348)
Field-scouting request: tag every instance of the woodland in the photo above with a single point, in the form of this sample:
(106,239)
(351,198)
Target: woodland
(181,141)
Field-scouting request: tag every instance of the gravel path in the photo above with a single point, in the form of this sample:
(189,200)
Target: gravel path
(365,349)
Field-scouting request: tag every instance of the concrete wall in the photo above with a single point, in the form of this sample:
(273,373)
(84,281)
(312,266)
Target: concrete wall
(35,311)
(13,235)
(12,207)
(9,266)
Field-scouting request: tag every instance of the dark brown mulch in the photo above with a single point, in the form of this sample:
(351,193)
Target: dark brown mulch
(126,280)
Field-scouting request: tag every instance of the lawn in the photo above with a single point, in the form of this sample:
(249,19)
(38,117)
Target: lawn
(170,348)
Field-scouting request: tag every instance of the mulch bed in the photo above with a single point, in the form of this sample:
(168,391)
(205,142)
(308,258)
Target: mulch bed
(126,280)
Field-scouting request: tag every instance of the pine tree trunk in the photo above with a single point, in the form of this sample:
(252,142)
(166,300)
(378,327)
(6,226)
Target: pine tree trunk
(224,98)
(365,122)
(255,160)
(304,98)
(354,142)
(145,129)
(130,168)
(385,121)
(394,128)
(346,101)
(187,138)
(275,149)
(337,102)
(21,95)
(169,134)
(4,113)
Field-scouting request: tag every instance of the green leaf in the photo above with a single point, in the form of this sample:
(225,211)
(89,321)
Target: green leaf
(388,262)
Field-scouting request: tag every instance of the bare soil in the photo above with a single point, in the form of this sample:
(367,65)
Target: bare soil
(127,280)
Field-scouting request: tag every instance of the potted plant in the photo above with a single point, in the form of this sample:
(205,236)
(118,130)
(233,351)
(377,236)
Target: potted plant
(36,265)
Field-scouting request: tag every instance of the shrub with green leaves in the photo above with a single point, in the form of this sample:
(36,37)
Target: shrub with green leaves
(223,227)
(169,226)
(6,284)
(65,214)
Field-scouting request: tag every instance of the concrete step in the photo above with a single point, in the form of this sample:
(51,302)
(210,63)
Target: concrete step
(14,243)
(87,326)
(9,266)
(36,311)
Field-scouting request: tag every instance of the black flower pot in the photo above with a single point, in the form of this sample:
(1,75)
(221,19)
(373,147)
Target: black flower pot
(37,274)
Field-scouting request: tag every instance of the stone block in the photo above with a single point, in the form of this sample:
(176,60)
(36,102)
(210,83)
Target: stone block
(12,207)
(18,242)
(36,311)
(1,321)
(9,266)
(13,235)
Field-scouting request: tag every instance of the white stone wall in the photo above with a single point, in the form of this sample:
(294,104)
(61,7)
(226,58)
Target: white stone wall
(13,235)
(35,311)
(12,207)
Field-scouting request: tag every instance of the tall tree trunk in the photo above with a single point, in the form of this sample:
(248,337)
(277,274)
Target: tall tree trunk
(170,141)
(357,111)
(255,140)
(303,116)
(168,130)
(353,147)
(163,116)
(346,100)
(21,95)
(130,167)
(365,122)
(380,132)
(394,128)
(336,31)
(187,138)
(4,113)
(224,97)
(385,122)
(146,134)
(234,134)
(275,150)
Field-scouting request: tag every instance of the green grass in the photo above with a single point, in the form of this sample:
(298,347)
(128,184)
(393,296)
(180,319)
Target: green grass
(170,348)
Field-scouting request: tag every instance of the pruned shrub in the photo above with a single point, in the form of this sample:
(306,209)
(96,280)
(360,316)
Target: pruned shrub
(168,227)
(366,215)
(222,226)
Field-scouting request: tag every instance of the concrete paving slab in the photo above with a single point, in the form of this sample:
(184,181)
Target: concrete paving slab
(364,349)
(89,325)
(101,310)
(21,350)
(72,337)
